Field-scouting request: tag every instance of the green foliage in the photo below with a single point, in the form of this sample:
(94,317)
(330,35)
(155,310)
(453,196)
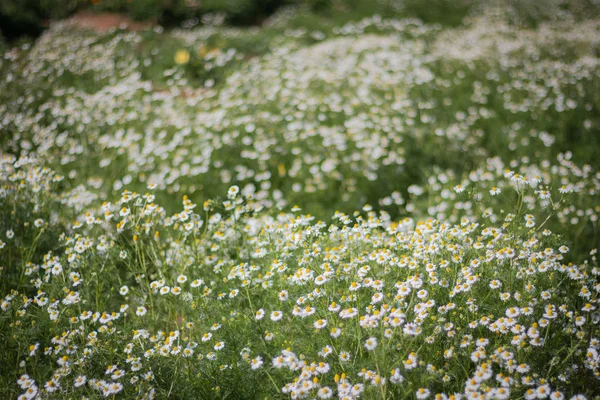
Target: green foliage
(29,17)
(532,13)
(445,12)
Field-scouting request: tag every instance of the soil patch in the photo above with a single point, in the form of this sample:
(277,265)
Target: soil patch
(102,22)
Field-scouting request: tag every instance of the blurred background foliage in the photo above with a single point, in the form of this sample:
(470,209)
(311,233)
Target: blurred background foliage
(29,17)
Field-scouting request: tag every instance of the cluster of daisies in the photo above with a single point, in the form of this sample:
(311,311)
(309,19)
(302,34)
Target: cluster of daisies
(138,302)
(338,118)
(388,209)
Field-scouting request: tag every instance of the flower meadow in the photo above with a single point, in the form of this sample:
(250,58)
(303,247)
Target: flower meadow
(380,209)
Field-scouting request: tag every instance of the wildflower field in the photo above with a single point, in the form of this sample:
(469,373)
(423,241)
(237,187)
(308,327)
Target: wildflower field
(378,207)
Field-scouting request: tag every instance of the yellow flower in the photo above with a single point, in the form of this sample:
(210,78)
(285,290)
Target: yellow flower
(281,168)
(182,57)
